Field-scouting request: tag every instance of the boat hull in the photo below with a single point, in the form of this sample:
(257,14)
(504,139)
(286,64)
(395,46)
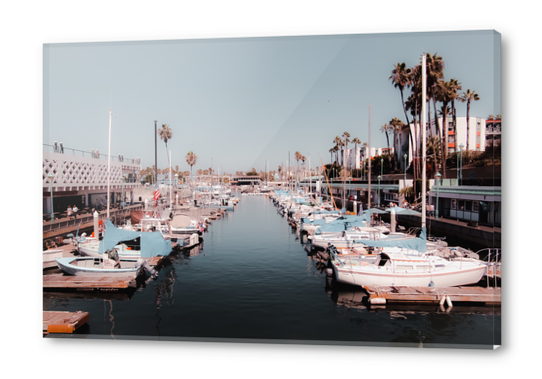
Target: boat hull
(387,276)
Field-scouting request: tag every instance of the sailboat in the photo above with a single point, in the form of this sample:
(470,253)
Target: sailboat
(409,261)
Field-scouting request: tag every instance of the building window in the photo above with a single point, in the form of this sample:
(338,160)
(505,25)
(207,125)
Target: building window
(476,206)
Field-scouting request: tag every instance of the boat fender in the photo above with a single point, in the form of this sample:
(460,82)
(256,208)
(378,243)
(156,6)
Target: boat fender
(378,300)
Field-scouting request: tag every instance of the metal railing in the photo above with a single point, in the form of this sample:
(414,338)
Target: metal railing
(59,148)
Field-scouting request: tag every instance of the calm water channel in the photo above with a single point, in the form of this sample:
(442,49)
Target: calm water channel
(253,280)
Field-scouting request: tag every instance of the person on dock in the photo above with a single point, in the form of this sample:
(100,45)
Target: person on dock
(69,212)
(74,210)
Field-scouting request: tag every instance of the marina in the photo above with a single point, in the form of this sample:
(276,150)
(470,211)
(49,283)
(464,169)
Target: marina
(265,286)
(314,252)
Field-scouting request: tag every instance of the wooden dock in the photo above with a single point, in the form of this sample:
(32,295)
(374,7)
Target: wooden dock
(88,282)
(439,295)
(63,322)
(95,282)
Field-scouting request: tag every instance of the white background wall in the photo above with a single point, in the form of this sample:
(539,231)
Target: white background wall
(26,25)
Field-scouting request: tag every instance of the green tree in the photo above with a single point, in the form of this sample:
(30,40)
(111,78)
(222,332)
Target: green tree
(165,134)
(401,78)
(396,127)
(191,159)
(468,97)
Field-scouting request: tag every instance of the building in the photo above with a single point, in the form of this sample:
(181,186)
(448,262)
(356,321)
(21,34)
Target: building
(474,138)
(475,204)
(76,177)
(493,131)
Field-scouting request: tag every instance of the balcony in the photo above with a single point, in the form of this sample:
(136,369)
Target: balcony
(75,170)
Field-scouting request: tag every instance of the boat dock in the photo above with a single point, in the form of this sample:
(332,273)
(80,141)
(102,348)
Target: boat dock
(379,295)
(88,283)
(63,322)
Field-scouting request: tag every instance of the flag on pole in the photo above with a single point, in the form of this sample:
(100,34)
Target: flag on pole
(156,193)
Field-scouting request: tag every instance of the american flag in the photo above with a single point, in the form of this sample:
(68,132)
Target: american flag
(156,193)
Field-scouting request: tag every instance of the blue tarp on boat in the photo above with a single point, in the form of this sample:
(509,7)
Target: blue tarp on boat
(418,243)
(152,243)
(342,223)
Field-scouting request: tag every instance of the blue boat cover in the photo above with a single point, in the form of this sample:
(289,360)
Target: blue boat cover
(305,220)
(342,223)
(152,243)
(418,243)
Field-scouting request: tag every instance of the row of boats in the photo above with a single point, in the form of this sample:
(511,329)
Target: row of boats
(362,253)
(123,250)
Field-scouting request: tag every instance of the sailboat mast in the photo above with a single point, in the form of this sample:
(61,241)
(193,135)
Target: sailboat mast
(170,182)
(369,178)
(109,167)
(424,143)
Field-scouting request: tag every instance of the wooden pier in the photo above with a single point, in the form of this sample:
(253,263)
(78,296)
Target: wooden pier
(439,295)
(88,282)
(63,322)
(102,283)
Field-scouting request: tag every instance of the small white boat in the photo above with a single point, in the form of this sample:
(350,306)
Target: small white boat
(103,266)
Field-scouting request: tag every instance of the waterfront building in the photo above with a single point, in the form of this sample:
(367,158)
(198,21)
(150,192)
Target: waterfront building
(475,136)
(471,203)
(80,178)
(245,180)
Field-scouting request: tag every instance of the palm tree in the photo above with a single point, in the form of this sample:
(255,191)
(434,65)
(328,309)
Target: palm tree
(356,141)
(397,126)
(401,77)
(468,97)
(191,159)
(346,137)
(338,144)
(386,129)
(444,95)
(165,135)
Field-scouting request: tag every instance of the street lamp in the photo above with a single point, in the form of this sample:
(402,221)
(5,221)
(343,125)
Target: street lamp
(51,177)
(405,156)
(122,186)
(461,164)
(436,208)
(176,181)
(378,193)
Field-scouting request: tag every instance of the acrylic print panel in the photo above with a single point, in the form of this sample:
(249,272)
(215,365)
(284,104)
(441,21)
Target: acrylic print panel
(259,117)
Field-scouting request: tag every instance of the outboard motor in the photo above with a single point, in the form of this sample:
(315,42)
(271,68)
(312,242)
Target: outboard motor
(142,265)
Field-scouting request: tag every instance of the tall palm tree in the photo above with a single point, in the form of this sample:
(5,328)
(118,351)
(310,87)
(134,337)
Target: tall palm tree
(356,141)
(191,159)
(338,144)
(346,137)
(386,128)
(401,78)
(165,135)
(397,126)
(468,97)
(444,95)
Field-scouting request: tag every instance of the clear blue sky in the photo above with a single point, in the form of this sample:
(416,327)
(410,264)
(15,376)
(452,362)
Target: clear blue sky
(240,102)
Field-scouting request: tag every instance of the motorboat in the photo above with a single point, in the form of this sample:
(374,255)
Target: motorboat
(109,264)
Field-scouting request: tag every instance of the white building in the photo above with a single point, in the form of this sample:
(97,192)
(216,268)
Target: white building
(80,178)
(476,135)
